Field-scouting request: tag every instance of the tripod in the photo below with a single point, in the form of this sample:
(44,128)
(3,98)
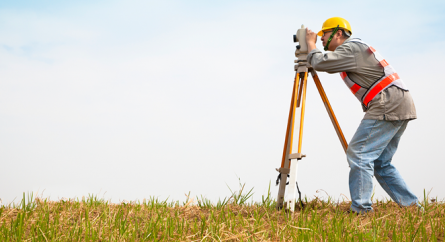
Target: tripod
(292,154)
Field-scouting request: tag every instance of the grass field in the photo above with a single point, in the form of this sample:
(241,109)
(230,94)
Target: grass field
(230,219)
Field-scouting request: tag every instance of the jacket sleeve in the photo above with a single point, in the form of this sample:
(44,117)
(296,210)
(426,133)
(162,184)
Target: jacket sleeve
(342,59)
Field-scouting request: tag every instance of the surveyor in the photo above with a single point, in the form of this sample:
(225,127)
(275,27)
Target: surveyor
(387,103)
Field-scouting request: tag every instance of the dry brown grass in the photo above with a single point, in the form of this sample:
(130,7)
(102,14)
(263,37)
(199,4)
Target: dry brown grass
(92,219)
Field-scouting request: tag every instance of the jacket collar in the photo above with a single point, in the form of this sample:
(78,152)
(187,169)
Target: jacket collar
(351,39)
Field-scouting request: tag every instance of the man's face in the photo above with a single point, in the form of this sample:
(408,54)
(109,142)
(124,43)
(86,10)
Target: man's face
(336,41)
(325,36)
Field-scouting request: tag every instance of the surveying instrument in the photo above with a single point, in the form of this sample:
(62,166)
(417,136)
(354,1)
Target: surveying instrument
(294,132)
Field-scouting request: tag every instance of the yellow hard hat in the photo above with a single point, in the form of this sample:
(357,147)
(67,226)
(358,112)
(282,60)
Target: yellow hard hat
(332,23)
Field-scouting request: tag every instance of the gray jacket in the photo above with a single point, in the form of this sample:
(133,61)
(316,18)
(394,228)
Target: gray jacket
(362,68)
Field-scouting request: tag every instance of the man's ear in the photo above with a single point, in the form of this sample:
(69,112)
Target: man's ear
(339,34)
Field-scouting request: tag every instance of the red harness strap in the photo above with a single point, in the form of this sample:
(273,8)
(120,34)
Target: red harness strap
(354,87)
(379,87)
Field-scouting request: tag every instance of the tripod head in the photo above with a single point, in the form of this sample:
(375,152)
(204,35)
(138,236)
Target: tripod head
(301,52)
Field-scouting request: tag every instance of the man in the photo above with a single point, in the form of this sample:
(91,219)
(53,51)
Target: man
(386,101)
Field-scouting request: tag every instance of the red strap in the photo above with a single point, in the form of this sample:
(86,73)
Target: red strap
(383,63)
(355,88)
(343,75)
(372,50)
(379,87)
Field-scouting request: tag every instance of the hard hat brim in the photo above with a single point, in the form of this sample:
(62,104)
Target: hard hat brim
(320,33)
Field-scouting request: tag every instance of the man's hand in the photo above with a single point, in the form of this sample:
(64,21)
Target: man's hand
(311,39)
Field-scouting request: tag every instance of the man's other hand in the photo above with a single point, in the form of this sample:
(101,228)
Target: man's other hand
(311,39)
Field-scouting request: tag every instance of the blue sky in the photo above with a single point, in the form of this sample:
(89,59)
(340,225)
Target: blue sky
(114,96)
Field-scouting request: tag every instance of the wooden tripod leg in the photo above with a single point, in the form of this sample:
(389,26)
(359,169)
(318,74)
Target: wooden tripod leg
(291,190)
(303,107)
(285,164)
(330,111)
(290,122)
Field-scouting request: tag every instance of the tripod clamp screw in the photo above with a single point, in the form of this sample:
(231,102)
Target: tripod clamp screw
(296,156)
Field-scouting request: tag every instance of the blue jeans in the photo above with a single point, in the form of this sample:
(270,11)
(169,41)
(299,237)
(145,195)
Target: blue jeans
(369,154)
